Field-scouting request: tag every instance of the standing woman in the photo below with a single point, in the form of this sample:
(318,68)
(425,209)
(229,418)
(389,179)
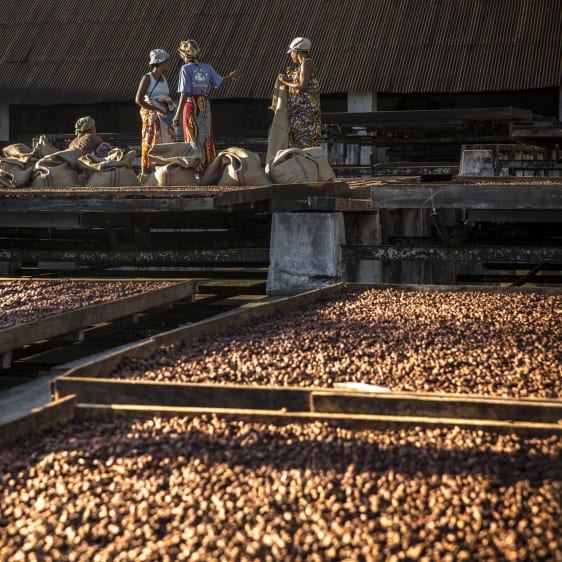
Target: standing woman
(157,107)
(303,101)
(195,81)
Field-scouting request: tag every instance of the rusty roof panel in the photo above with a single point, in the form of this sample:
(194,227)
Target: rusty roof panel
(66,52)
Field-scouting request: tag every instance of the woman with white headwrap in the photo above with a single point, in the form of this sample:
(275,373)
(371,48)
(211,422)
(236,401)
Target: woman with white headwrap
(87,139)
(157,107)
(195,82)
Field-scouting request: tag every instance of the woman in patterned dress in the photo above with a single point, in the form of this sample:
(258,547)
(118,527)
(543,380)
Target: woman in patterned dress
(157,107)
(195,82)
(303,102)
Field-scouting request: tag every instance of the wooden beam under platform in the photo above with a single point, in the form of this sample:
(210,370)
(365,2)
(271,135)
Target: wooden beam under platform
(530,195)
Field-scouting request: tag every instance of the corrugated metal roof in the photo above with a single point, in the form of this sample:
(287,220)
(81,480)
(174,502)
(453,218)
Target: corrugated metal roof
(66,51)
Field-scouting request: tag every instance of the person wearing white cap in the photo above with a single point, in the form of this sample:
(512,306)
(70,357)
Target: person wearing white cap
(156,106)
(303,100)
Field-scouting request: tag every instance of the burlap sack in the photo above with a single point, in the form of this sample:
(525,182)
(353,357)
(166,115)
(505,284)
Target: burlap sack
(19,151)
(44,147)
(25,154)
(278,137)
(119,176)
(6,179)
(70,157)
(235,166)
(60,175)
(170,175)
(116,158)
(57,170)
(113,170)
(296,165)
(20,171)
(325,171)
(174,153)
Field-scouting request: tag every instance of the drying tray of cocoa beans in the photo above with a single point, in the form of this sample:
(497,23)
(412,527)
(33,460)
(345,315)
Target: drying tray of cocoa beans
(36,309)
(215,487)
(436,354)
(275,464)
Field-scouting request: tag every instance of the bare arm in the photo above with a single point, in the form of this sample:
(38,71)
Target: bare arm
(179,110)
(141,92)
(234,75)
(305,73)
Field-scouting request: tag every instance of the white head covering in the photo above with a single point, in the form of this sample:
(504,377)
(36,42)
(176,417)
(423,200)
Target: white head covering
(300,44)
(84,124)
(158,55)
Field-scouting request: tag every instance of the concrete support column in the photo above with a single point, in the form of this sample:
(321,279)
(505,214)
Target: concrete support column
(305,252)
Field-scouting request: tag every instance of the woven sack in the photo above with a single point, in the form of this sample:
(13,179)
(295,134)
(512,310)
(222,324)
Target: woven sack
(325,171)
(19,151)
(20,172)
(44,147)
(170,175)
(70,157)
(60,175)
(57,170)
(235,166)
(173,153)
(296,165)
(118,176)
(6,179)
(116,158)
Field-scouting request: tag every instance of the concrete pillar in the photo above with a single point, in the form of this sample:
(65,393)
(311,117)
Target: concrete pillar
(4,122)
(305,252)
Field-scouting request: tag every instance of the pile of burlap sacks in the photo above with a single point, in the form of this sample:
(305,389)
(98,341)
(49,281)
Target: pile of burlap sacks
(173,164)
(47,166)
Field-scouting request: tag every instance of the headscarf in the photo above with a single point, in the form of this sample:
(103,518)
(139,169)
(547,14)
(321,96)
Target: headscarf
(189,51)
(84,124)
(158,56)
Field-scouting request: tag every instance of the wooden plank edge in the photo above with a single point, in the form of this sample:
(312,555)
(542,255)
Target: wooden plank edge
(39,419)
(439,405)
(338,420)
(117,391)
(305,399)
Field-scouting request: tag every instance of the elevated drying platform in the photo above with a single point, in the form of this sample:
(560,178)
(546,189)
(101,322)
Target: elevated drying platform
(309,235)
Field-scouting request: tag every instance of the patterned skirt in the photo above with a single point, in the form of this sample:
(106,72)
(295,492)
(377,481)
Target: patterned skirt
(198,128)
(154,131)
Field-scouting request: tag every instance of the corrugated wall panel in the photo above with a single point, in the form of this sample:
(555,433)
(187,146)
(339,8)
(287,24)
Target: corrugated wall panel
(66,52)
